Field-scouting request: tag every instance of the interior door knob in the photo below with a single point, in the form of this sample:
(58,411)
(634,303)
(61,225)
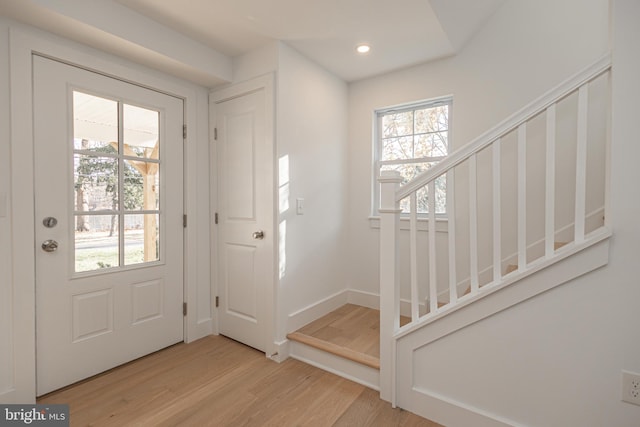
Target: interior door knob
(49,246)
(258,235)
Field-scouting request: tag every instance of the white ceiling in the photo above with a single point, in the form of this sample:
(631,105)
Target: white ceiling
(401,32)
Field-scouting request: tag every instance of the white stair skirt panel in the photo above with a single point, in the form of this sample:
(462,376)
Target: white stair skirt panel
(419,398)
(340,366)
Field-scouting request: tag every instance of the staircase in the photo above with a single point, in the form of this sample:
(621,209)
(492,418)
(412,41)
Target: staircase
(526,210)
(530,199)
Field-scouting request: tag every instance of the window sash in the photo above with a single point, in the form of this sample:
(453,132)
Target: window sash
(379,141)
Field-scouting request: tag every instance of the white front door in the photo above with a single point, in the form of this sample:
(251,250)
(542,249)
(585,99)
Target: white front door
(109,232)
(245,230)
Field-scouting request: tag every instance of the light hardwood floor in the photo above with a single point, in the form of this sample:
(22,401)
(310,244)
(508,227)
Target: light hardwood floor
(351,326)
(351,331)
(218,382)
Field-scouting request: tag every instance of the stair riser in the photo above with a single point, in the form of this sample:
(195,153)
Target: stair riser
(337,365)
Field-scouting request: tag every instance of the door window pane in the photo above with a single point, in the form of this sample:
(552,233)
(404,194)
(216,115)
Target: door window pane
(95,182)
(97,248)
(95,123)
(141,132)
(141,238)
(141,185)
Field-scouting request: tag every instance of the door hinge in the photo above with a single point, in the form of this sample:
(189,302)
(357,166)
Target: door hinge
(217,301)
(184,308)
(184,131)
(215,134)
(184,221)
(216,218)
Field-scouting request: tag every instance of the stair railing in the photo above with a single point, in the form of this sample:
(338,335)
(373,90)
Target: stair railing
(392,194)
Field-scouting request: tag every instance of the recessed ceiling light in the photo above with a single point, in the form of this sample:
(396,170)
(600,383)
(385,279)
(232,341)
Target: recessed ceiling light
(363,48)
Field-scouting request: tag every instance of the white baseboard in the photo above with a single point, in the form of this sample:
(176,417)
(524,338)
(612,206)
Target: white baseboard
(363,299)
(282,351)
(450,412)
(371,300)
(308,314)
(314,311)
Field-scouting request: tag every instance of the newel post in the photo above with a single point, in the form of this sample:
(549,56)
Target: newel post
(389,286)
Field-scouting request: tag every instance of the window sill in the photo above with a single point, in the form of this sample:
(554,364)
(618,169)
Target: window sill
(423,224)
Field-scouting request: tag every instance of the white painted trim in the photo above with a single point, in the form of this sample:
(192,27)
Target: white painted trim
(451,209)
(340,366)
(364,299)
(413,251)
(550,181)
(522,197)
(22,223)
(371,300)
(473,223)
(314,311)
(283,351)
(581,163)
(450,412)
(267,83)
(423,224)
(497,209)
(24,41)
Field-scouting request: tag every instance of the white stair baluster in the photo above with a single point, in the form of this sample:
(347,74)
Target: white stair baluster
(473,223)
(581,164)
(451,217)
(522,196)
(497,211)
(550,191)
(433,283)
(413,255)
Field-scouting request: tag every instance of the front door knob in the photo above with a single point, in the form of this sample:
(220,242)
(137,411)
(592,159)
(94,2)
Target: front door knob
(49,246)
(258,235)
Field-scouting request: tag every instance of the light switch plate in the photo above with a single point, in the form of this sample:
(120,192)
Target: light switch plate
(300,206)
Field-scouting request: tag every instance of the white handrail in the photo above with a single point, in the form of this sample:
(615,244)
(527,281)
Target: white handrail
(507,125)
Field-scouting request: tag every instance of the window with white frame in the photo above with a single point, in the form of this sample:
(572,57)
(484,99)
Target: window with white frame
(410,139)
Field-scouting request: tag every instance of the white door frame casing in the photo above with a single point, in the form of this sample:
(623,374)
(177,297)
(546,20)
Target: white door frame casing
(267,84)
(23,42)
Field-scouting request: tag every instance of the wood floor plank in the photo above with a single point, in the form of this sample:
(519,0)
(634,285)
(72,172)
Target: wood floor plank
(219,382)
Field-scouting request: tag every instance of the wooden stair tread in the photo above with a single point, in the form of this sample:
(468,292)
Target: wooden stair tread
(347,353)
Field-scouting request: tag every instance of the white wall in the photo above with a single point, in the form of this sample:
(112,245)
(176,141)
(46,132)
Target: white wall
(556,359)
(524,50)
(311,145)
(255,63)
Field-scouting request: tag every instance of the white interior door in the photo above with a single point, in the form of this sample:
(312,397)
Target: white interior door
(245,230)
(109,233)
